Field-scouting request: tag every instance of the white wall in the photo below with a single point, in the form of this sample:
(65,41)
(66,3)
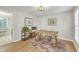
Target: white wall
(64,26)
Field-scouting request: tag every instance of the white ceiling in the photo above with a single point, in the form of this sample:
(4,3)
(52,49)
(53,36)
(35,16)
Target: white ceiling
(33,9)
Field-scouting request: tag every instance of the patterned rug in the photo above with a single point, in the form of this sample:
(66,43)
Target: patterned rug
(45,46)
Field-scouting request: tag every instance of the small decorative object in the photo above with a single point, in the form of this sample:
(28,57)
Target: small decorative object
(52,21)
(28,21)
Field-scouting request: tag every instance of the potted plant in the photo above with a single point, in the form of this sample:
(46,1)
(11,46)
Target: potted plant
(25,29)
(24,33)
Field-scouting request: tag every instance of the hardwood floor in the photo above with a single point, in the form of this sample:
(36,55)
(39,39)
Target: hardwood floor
(22,46)
(70,46)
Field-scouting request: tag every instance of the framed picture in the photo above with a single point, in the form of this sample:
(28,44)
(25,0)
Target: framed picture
(52,21)
(28,21)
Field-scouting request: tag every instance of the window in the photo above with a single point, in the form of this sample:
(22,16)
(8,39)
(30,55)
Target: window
(3,22)
(4,30)
(76,26)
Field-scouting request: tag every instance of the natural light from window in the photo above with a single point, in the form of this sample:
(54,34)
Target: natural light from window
(76,26)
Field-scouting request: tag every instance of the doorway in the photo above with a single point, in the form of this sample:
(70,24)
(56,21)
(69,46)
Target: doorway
(5,29)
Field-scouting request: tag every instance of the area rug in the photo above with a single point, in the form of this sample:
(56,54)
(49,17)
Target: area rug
(45,46)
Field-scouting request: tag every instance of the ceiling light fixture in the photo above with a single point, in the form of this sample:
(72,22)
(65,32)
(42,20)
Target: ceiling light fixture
(41,9)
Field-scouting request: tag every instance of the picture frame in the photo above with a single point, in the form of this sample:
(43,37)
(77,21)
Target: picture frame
(28,21)
(52,21)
